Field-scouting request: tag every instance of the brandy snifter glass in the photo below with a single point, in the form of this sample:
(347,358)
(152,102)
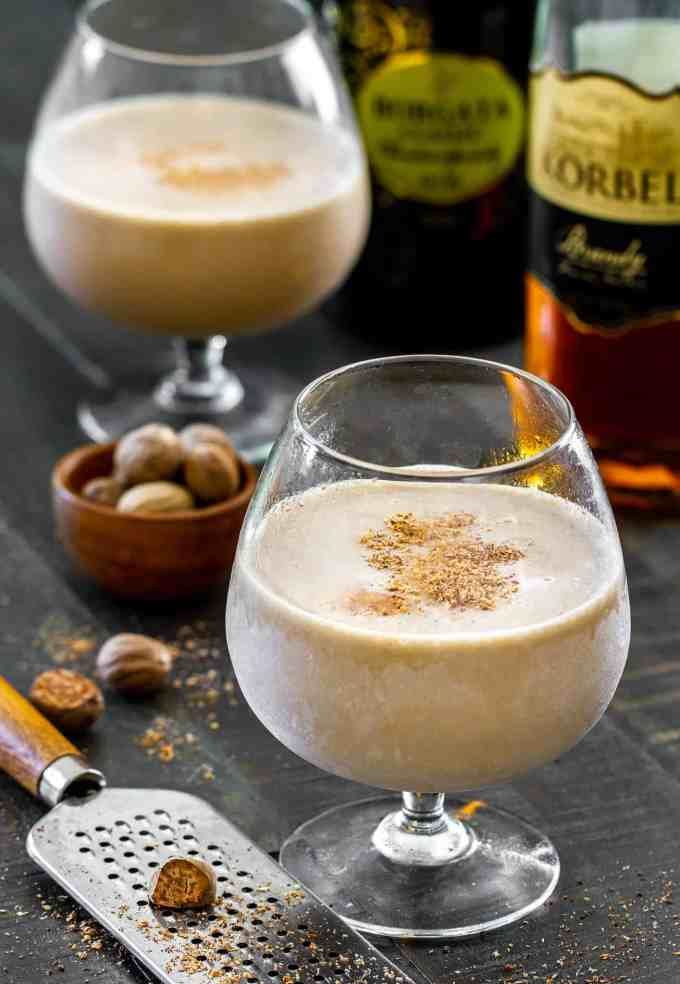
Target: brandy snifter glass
(196,173)
(425,678)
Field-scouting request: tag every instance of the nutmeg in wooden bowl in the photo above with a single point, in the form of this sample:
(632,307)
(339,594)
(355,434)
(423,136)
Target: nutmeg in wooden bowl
(145,556)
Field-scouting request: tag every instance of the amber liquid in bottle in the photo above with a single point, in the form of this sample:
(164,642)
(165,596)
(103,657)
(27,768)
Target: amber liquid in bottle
(603,291)
(626,394)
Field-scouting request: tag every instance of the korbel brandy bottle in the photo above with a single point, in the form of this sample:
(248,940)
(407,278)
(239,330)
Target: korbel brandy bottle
(439,88)
(603,319)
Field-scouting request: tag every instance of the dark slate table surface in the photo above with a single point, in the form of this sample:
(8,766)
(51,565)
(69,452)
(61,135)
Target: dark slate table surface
(612,806)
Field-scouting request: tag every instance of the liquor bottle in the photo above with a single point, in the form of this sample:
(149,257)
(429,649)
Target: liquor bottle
(603,289)
(439,89)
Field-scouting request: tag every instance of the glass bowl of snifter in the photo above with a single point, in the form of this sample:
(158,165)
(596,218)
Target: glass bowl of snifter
(428,595)
(195,172)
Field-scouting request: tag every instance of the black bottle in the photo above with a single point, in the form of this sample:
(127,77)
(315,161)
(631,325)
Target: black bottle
(439,89)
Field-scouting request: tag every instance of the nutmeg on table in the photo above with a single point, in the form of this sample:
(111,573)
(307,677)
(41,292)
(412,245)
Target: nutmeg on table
(68,699)
(135,665)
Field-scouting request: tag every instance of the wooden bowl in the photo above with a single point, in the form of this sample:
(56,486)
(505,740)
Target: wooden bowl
(149,557)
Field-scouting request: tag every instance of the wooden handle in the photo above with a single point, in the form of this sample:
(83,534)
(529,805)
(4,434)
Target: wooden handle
(28,742)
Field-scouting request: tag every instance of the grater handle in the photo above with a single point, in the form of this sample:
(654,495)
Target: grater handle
(28,742)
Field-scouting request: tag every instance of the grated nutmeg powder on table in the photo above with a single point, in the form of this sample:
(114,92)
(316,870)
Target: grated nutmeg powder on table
(63,642)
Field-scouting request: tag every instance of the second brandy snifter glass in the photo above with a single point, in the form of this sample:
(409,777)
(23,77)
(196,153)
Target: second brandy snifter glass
(196,172)
(429,595)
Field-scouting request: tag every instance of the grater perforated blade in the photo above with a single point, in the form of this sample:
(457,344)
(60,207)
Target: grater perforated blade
(104,848)
(103,845)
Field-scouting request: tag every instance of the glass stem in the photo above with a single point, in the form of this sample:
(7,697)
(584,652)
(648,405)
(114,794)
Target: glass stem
(200,383)
(422,833)
(423,813)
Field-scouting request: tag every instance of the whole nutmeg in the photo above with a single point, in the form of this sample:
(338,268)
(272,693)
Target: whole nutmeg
(183,883)
(148,454)
(156,497)
(105,491)
(204,434)
(70,700)
(135,665)
(212,473)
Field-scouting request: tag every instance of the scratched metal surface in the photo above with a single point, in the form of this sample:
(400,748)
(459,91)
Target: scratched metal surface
(612,806)
(102,848)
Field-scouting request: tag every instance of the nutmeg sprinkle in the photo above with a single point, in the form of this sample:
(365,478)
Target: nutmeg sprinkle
(436,561)
(376,603)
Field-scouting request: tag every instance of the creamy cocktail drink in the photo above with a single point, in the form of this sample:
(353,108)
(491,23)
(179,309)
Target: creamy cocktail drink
(196,214)
(428,636)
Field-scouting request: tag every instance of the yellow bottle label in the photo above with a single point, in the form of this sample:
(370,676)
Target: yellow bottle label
(441,128)
(602,148)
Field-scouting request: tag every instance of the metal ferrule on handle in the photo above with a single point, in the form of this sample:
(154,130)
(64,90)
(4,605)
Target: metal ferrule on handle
(64,776)
(34,753)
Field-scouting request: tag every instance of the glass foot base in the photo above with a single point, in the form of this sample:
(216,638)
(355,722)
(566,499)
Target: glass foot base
(252,409)
(505,869)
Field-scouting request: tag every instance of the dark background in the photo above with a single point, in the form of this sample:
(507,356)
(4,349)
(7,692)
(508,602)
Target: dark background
(612,806)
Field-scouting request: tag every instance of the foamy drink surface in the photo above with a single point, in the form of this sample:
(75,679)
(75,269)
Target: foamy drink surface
(490,645)
(196,213)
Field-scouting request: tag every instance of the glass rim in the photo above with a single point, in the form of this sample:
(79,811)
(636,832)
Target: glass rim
(459,474)
(134,53)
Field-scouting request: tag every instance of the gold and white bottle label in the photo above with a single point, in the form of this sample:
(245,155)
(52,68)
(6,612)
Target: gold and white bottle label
(603,148)
(604,172)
